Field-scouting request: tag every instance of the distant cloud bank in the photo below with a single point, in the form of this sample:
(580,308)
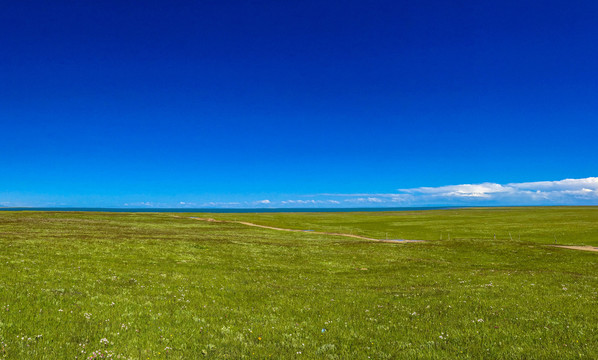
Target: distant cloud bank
(566,192)
(562,192)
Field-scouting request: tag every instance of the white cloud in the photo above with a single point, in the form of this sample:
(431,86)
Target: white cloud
(368,199)
(220,204)
(142,203)
(309,202)
(298,202)
(566,192)
(589,184)
(484,190)
(562,191)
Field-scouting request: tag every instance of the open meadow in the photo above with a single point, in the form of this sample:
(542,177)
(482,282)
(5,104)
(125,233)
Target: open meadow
(485,284)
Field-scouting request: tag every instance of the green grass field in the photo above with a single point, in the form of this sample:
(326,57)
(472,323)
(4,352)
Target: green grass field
(155,286)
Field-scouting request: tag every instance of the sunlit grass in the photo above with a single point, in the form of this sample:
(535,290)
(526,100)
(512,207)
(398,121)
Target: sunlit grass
(78,285)
(545,225)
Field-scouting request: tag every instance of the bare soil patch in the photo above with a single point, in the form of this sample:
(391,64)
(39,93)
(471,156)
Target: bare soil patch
(582,248)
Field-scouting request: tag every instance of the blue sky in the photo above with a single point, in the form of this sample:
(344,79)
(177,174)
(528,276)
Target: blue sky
(323,104)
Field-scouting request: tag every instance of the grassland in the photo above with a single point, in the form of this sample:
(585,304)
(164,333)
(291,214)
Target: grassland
(139,286)
(542,225)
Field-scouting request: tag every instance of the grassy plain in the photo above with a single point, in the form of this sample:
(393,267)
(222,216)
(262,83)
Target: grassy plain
(543,225)
(140,285)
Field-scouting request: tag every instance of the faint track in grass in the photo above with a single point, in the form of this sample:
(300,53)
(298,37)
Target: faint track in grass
(397,241)
(577,247)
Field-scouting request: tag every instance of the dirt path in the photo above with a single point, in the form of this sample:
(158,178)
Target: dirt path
(582,248)
(572,247)
(308,231)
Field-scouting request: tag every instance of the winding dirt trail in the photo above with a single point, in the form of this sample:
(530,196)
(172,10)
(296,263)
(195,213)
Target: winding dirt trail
(582,248)
(394,241)
(397,241)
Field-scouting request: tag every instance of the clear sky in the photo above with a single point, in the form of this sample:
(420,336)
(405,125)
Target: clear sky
(307,103)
